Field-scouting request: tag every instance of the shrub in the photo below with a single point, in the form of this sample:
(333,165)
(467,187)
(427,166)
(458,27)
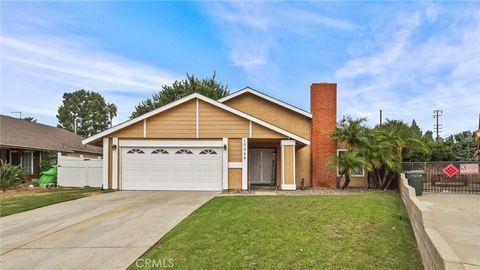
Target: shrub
(10,175)
(48,159)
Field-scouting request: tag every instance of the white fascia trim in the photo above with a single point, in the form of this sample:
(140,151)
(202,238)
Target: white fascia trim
(288,187)
(225,164)
(115,164)
(287,142)
(269,98)
(244,163)
(203,98)
(106,148)
(170,143)
(234,165)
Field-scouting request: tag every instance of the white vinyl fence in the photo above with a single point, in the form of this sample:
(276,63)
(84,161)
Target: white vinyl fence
(79,171)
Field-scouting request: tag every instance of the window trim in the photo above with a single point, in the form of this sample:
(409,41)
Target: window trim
(352,175)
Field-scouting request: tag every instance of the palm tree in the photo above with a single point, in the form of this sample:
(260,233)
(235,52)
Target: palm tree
(112,112)
(391,139)
(345,163)
(351,131)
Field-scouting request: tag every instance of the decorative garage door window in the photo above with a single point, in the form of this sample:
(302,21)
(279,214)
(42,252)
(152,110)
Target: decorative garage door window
(184,151)
(160,151)
(135,151)
(208,152)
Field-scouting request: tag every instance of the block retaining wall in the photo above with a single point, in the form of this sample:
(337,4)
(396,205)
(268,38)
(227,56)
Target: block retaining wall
(434,250)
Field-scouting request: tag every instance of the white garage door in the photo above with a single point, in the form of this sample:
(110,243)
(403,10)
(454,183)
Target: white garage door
(171,168)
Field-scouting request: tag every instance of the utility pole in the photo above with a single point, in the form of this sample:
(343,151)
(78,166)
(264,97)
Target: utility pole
(381,117)
(75,123)
(437,127)
(19,113)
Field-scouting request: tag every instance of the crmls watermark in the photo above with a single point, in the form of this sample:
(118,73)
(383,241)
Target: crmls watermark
(155,263)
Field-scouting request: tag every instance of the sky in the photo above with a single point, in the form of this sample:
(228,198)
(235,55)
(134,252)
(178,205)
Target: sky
(406,58)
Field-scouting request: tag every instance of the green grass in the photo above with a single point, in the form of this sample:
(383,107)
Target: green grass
(17,204)
(364,231)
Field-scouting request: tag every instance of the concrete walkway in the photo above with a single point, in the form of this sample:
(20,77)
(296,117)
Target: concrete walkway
(108,231)
(457,219)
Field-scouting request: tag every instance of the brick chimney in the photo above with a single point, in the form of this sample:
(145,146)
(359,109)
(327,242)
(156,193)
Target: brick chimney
(323,104)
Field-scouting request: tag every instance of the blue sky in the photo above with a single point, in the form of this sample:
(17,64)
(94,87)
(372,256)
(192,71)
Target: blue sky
(405,58)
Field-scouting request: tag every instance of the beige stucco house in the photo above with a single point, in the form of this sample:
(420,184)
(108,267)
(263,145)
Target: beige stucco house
(244,140)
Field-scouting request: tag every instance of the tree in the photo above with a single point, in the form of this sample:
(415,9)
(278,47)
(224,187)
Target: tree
(441,151)
(89,107)
(346,162)
(208,87)
(30,119)
(415,128)
(350,131)
(112,112)
(463,145)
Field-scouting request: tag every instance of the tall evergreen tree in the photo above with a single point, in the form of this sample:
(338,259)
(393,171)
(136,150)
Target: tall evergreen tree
(89,107)
(463,145)
(208,87)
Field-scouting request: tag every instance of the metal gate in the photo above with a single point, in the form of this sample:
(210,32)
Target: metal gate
(448,176)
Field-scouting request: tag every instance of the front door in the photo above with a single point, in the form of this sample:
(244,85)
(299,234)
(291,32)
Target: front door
(261,166)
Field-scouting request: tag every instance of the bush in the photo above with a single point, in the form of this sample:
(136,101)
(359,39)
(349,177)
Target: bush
(10,175)
(48,159)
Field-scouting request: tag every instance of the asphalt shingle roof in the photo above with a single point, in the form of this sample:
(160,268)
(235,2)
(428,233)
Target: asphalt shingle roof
(19,133)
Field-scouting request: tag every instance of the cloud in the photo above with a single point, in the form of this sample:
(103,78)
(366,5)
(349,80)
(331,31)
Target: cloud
(40,61)
(65,58)
(422,61)
(251,30)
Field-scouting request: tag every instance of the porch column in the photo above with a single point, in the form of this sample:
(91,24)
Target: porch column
(244,163)
(288,165)
(115,150)
(106,150)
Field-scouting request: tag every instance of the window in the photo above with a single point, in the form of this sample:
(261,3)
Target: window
(184,151)
(135,151)
(208,152)
(160,151)
(24,159)
(357,172)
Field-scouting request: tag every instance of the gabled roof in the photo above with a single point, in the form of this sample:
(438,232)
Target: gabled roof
(18,133)
(203,98)
(267,97)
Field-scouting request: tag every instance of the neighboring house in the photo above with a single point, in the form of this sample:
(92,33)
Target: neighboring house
(22,143)
(244,139)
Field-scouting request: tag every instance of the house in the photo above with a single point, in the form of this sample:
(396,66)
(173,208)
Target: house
(242,140)
(23,142)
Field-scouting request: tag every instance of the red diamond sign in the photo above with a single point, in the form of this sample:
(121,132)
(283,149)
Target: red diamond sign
(450,170)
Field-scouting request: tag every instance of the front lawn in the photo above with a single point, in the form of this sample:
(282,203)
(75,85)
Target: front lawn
(363,231)
(16,204)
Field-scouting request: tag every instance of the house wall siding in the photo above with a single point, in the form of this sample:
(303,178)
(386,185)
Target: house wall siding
(288,163)
(235,150)
(234,178)
(177,122)
(272,113)
(215,122)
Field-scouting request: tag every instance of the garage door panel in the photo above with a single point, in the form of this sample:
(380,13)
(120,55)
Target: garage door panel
(171,168)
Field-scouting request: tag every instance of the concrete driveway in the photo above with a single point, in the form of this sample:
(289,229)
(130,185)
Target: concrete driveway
(108,231)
